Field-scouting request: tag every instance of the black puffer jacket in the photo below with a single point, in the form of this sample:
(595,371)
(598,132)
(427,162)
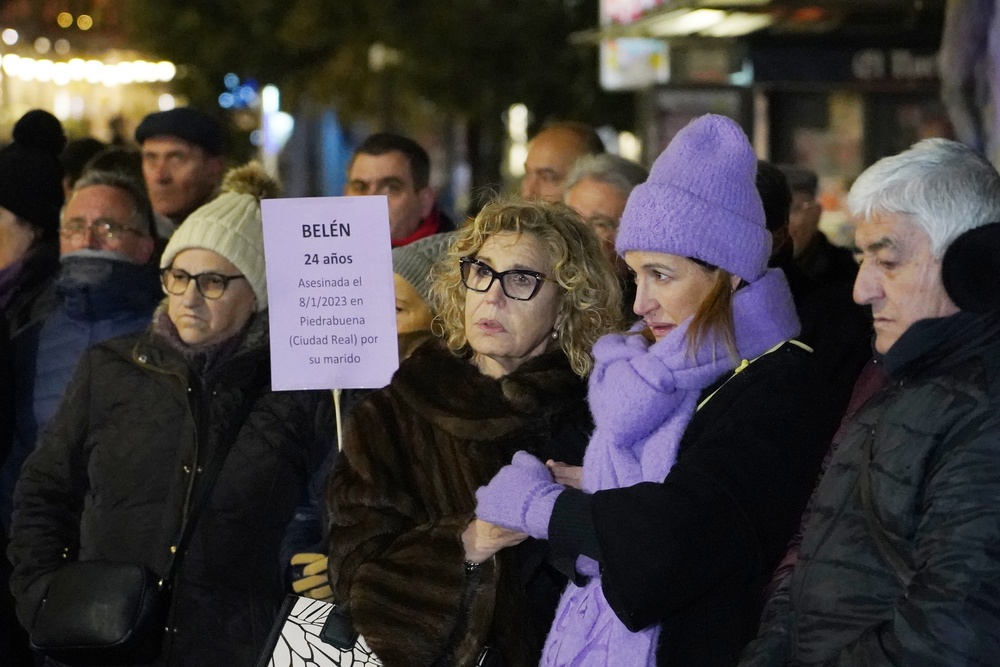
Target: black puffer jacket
(934,474)
(115,473)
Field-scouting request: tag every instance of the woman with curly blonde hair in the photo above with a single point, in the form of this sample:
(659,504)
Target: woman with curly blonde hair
(522,296)
(583,277)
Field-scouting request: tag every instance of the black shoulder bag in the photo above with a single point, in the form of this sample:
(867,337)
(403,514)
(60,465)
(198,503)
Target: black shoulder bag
(112,613)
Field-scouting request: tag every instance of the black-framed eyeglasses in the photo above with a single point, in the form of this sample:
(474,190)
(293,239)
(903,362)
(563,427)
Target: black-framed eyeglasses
(105,230)
(518,284)
(210,285)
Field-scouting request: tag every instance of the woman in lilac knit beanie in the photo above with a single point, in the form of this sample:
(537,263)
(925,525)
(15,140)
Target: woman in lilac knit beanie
(711,423)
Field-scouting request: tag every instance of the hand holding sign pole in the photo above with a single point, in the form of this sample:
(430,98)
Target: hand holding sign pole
(330,292)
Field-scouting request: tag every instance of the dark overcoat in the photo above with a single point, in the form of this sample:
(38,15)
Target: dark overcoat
(115,475)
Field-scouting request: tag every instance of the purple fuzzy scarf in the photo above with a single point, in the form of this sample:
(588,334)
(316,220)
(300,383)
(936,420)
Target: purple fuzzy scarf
(642,397)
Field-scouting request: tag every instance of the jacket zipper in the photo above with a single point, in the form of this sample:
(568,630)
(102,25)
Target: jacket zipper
(795,592)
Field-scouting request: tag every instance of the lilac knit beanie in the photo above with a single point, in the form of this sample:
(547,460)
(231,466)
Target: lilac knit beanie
(701,201)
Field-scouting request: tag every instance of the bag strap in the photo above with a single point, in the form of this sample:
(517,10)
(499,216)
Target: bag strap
(211,474)
(876,530)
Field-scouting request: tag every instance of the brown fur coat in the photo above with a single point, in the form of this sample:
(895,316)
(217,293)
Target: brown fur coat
(404,490)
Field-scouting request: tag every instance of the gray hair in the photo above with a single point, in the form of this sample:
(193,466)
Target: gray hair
(945,187)
(619,173)
(142,210)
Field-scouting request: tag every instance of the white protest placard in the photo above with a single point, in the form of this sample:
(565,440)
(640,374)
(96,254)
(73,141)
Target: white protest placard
(330,292)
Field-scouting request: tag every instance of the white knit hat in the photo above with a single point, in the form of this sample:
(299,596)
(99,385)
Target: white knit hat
(230,225)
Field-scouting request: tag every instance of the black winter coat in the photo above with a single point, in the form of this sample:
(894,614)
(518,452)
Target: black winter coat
(695,552)
(930,441)
(114,475)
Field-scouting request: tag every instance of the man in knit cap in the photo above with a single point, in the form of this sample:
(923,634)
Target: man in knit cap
(900,557)
(31,195)
(838,330)
(182,162)
(821,260)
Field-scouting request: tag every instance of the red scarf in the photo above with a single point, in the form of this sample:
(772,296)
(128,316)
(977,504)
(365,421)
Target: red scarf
(428,227)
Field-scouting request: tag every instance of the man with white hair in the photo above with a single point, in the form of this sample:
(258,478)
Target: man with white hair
(900,560)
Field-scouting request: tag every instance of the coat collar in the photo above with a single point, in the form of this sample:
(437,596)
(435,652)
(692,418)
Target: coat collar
(930,342)
(93,289)
(451,392)
(154,348)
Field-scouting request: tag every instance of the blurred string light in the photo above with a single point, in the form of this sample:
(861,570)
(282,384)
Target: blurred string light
(60,74)
(276,128)
(91,71)
(238,94)
(65,19)
(62,105)
(518,117)
(84,22)
(629,146)
(42,45)
(62,46)
(166,102)
(9,36)
(43,70)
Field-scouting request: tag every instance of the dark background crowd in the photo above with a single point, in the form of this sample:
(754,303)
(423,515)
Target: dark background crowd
(608,419)
(672,406)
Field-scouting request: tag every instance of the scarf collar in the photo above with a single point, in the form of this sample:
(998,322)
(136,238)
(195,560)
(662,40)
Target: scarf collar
(637,387)
(98,287)
(928,342)
(202,359)
(428,227)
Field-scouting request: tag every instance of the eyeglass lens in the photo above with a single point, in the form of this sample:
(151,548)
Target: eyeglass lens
(211,285)
(102,229)
(516,283)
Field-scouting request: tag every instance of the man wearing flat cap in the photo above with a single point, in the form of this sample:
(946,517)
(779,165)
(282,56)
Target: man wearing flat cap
(182,162)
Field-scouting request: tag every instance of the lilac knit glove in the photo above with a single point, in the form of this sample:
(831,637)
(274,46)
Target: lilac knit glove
(520,497)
